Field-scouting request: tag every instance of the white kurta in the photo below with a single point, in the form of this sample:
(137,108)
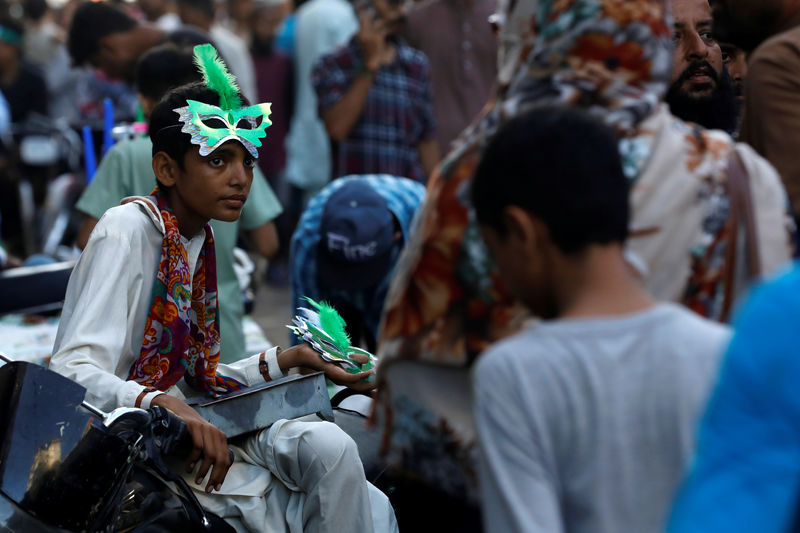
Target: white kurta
(290,477)
(102,323)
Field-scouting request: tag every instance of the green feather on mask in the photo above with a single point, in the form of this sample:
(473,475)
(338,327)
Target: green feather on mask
(216,76)
(333,324)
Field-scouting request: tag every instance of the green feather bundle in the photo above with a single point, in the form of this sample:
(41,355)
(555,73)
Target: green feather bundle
(333,324)
(216,76)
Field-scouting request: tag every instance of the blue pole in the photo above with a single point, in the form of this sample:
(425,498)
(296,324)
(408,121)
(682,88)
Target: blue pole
(90,161)
(108,124)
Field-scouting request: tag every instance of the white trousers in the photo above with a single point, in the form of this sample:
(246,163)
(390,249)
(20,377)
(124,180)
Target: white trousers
(299,476)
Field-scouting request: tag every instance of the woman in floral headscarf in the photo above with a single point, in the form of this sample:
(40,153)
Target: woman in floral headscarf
(446,304)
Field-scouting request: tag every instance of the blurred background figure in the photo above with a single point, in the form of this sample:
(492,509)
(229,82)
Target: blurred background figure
(201,14)
(275,83)
(43,36)
(284,41)
(374,129)
(112,41)
(22,84)
(161,13)
(45,47)
(462,51)
(347,244)
(25,93)
(320,27)
(769,31)
(735,60)
(238,18)
(702,90)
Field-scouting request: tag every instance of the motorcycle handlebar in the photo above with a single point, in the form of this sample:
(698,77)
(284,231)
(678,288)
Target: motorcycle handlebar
(181,441)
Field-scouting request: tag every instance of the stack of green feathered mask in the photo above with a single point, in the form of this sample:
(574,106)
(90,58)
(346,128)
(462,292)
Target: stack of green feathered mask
(324,330)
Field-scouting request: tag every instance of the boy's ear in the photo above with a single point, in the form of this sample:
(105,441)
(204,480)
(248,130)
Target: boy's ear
(165,168)
(524,228)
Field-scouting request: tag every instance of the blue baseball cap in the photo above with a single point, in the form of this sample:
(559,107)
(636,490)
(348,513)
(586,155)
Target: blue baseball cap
(357,237)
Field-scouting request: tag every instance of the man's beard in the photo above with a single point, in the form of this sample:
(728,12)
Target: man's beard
(717,111)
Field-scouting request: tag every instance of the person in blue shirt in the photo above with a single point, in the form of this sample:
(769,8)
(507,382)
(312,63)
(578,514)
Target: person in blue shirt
(346,244)
(746,474)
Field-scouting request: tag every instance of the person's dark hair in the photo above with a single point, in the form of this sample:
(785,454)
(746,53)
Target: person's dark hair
(163,68)
(164,127)
(34,9)
(563,167)
(91,22)
(204,6)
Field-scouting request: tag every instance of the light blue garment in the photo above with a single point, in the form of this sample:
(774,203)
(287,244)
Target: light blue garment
(320,27)
(402,195)
(284,41)
(746,475)
(5,115)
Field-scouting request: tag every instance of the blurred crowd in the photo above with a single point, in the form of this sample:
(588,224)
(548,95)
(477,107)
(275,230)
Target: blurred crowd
(566,227)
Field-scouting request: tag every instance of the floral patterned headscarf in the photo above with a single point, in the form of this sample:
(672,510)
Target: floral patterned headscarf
(610,57)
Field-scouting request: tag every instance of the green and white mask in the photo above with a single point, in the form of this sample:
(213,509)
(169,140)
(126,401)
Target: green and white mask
(211,126)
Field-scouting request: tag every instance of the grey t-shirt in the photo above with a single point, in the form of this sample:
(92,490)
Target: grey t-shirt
(586,425)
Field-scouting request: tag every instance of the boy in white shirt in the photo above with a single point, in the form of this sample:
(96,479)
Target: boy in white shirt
(139,326)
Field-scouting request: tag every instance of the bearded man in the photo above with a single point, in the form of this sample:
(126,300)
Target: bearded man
(702,90)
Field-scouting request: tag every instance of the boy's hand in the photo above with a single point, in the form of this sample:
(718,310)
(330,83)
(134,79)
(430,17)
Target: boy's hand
(208,442)
(304,356)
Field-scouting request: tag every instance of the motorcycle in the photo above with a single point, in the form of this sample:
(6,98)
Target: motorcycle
(67,466)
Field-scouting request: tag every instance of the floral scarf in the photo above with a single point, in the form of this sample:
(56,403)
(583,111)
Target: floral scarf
(181,336)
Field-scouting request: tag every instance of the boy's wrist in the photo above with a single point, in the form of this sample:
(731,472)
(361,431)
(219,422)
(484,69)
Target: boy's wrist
(268,365)
(289,358)
(145,398)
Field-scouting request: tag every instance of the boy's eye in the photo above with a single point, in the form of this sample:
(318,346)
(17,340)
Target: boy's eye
(215,162)
(249,162)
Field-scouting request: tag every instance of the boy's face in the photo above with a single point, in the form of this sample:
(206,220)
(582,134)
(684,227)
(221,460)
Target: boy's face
(521,257)
(213,186)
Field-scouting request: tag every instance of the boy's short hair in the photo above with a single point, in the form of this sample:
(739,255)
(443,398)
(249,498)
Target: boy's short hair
(563,167)
(164,127)
(91,22)
(163,68)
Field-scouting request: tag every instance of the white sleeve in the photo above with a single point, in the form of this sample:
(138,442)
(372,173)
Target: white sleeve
(516,468)
(247,370)
(95,323)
